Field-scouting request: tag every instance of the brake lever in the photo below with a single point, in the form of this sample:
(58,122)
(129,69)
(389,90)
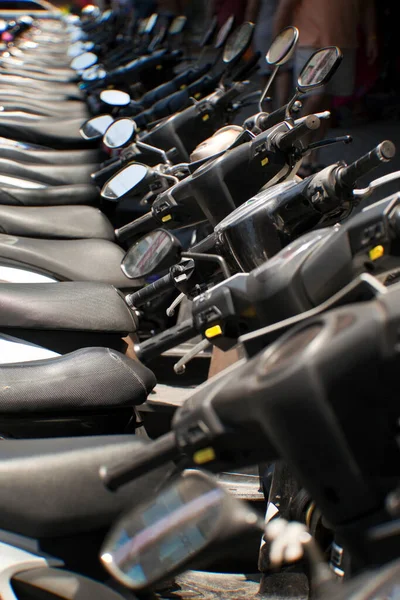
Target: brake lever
(346,139)
(180,366)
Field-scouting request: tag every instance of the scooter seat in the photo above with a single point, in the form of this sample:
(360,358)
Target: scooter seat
(54,133)
(67,306)
(51,157)
(67,260)
(48,174)
(84,380)
(52,488)
(50,196)
(58,222)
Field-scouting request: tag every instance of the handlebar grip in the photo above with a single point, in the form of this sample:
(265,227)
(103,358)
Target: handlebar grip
(384,152)
(170,338)
(140,226)
(274,118)
(149,292)
(150,457)
(286,140)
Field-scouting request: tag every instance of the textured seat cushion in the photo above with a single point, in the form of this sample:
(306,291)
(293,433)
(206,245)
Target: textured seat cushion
(55,222)
(84,380)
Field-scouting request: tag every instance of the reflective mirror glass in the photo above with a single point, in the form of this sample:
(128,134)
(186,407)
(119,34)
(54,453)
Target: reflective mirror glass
(151,23)
(224,32)
(95,72)
(119,133)
(319,68)
(124,181)
(238,42)
(282,47)
(115,97)
(151,541)
(153,253)
(95,128)
(177,25)
(84,61)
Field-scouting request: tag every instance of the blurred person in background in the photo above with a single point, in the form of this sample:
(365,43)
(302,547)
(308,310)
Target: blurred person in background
(328,23)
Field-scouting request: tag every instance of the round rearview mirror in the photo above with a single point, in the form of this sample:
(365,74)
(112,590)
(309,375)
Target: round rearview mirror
(153,253)
(84,61)
(177,25)
(151,23)
(119,133)
(95,128)
(124,182)
(238,42)
(115,97)
(319,68)
(223,33)
(153,540)
(95,72)
(283,46)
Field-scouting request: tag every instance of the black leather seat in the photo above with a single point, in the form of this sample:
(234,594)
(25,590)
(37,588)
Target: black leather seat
(52,157)
(45,109)
(84,193)
(52,488)
(48,174)
(54,133)
(67,306)
(68,260)
(85,380)
(55,222)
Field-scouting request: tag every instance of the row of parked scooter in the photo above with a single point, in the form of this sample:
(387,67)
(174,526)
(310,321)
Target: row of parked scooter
(138,221)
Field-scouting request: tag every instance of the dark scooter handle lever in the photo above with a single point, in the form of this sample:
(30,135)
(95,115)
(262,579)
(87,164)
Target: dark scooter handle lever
(384,152)
(286,140)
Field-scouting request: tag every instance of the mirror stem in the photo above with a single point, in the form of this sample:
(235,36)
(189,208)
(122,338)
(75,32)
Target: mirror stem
(266,89)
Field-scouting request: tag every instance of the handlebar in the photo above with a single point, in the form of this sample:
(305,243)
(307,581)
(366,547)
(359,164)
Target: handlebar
(286,140)
(274,118)
(151,291)
(170,338)
(150,457)
(205,245)
(384,152)
(140,226)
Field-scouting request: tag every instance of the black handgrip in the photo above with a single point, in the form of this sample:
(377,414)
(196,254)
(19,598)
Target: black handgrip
(205,245)
(286,140)
(150,291)
(274,118)
(138,227)
(148,458)
(170,338)
(384,152)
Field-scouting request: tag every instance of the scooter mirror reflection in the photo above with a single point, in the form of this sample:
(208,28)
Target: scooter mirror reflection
(115,97)
(124,181)
(153,253)
(319,68)
(177,25)
(223,33)
(84,61)
(282,47)
(95,128)
(238,42)
(151,23)
(119,133)
(95,72)
(78,48)
(280,52)
(154,540)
